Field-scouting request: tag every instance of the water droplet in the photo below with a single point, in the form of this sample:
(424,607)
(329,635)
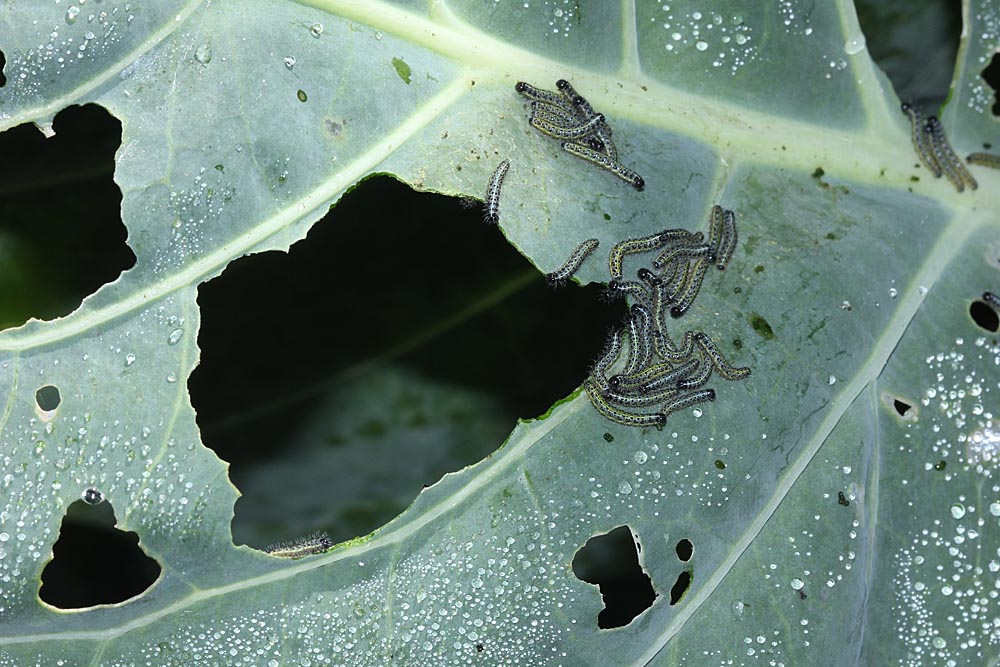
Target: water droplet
(854,44)
(958,510)
(995,508)
(175,336)
(893,292)
(172,377)
(129,359)
(88,35)
(624,488)
(701,46)
(947,590)
(289,62)
(4,537)
(697,412)
(92,496)
(640,457)
(738,607)
(832,380)
(203,54)
(797,584)
(845,305)
(939,642)
(72,13)
(316,30)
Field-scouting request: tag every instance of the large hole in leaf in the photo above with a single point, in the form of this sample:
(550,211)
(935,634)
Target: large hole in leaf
(94,562)
(611,562)
(400,341)
(3,64)
(991,75)
(61,235)
(915,47)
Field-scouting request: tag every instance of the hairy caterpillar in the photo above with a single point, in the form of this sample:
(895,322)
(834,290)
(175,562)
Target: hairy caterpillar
(621,416)
(605,162)
(314,543)
(573,262)
(492,214)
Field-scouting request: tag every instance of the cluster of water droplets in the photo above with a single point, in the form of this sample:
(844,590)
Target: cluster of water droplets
(986,16)
(726,38)
(83,32)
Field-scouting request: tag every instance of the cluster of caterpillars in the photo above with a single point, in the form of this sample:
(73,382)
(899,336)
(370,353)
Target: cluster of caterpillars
(936,153)
(658,372)
(567,116)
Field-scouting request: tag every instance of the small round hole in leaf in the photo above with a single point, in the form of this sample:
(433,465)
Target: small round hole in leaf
(984,316)
(47,398)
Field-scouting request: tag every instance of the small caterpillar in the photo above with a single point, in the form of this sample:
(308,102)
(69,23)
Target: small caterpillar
(991,160)
(602,141)
(690,288)
(698,378)
(564,272)
(310,544)
(492,214)
(664,372)
(643,399)
(687,400)
(553,114)
(727,245)
(714,231)
(665,348)
(672,379)
(950,164)
(556,131)
(639,339)
(648,277)
(605,162)
(920,140)
(612,350)
(725,369)
(631,247)
(539,95)
(675,252)
(618,289)
(992,299)
(609,411)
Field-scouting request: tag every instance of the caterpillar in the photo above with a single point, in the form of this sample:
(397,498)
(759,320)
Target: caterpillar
(727,245)
(639,339)
(539,95)
(314,543)
(621,288)
(920,140)
(984,159)
(642,399)
(725,369)
(553,114)
(612,350)
(714,231)
(945,155)
(675,252)
(666,349)
(556,131)
(665,372)
(672,379)
(605,162)
(631,247)
(573,262)
(698,378)
(687,400)
(689,290)
(609,411)
(492,214)
(601,142)
(992,299)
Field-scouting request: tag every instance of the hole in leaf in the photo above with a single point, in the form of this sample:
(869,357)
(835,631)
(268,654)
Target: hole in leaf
(611,562)
(684,550)
(984,316)
(3,64)
(902,407)
(94,562)
(680,587)
(401,340)
(920,68)
(47,398)
(991,75)
(905,408)
(61,235)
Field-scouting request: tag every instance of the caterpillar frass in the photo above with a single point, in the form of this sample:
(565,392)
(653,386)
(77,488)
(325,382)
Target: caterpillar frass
(492,214)
(573,262)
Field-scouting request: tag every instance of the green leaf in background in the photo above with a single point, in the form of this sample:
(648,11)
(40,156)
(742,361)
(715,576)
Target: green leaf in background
(838,507)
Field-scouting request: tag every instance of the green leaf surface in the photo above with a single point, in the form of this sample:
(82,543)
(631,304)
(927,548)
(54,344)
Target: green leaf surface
(827,528)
